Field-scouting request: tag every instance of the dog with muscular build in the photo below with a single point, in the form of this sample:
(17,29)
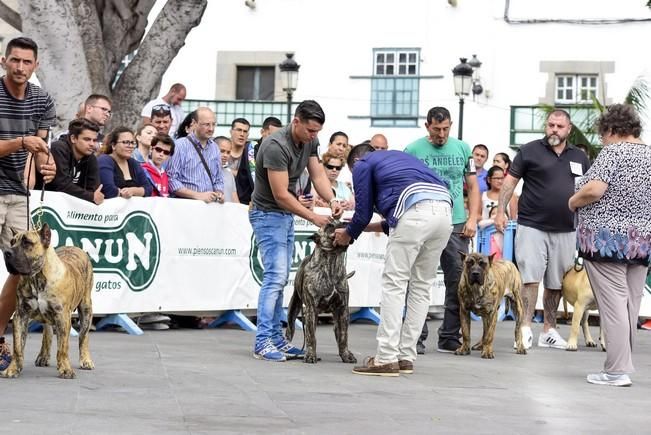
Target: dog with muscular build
(52,285)
(577,292)
(320,286)
(484,282)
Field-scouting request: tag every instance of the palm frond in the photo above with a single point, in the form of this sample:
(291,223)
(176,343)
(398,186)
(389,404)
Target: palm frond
(639,94)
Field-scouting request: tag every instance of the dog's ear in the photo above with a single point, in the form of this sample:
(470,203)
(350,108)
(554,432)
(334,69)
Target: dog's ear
(315,238)
(463,255)
(46,235)
(490,258)
(13,231)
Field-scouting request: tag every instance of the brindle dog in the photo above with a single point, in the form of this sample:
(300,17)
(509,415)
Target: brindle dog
(52,285)
(483,284)
(321,285)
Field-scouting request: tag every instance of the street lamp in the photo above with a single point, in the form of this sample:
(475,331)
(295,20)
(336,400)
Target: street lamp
(289,69)
(462,75)
(477,88)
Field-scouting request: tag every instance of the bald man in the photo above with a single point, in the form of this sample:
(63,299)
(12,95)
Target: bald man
(379,142)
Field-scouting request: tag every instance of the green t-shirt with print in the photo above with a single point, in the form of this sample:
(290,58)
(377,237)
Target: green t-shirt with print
(452,162)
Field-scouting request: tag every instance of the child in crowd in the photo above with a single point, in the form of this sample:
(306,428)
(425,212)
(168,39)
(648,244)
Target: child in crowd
(162,147)
(496,243)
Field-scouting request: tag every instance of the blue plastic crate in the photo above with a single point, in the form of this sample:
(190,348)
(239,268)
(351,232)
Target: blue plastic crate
(484,239)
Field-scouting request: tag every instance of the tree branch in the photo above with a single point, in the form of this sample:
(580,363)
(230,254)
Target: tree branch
(10,17)
(91,36)
(140,81)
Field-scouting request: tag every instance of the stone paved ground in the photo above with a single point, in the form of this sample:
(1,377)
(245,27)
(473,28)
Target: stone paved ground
(205,381)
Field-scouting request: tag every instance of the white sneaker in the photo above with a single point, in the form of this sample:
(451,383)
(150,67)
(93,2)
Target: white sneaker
(552,339)
(527,338)
(608,379)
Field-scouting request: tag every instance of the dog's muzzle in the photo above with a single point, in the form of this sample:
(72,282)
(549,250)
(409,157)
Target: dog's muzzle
(476,277)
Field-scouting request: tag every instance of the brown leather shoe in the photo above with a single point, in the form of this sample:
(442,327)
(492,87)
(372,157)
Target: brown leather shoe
(370,369)
(406,367)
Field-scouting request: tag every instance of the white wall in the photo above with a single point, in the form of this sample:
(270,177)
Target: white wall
(334,40)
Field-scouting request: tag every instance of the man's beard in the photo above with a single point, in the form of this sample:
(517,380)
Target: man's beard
(555,140)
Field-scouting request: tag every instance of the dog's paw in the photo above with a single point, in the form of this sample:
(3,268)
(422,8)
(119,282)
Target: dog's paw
(521,351)
(310,358)
(590,344)
(42,361)
(348,357)
(571,347)
(10,372)
(86,365)
(487,354)
(67,373)
(462,351)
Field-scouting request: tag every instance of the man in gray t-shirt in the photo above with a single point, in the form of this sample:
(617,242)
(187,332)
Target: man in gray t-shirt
(281,159)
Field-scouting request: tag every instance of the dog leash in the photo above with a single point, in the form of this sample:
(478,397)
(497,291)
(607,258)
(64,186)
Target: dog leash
(39,211)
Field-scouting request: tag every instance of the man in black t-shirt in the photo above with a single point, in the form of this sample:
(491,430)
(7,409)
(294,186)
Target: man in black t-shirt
(545,240)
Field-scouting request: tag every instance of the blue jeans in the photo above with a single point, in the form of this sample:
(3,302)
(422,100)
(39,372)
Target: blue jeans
(274,235)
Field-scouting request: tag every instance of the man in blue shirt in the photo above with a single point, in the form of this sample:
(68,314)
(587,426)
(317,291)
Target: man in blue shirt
(417,210)
(195,169)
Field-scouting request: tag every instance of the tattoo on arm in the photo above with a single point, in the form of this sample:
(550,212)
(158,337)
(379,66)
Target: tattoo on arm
(506,193)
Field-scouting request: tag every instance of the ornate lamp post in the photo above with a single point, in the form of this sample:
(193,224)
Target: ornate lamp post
(462,75)
(289,70)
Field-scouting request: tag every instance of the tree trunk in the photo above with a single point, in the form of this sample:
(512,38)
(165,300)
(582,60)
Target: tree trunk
(62,62)
(141,80)
(82,44)
(10,16)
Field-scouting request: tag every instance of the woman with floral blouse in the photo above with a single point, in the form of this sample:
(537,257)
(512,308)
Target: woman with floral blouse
(614,235)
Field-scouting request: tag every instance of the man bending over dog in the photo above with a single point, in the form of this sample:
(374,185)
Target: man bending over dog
(281,159)
(416,206)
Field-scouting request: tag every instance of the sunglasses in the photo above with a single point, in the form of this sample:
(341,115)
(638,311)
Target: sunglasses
(336,168)
(161,108)
(161,150)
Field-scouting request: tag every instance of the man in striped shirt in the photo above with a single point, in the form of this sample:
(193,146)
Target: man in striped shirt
(26,115)
(417,209)
(195,170)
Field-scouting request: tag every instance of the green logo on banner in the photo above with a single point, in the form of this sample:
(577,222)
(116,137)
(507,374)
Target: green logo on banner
(303,246)
(130,249)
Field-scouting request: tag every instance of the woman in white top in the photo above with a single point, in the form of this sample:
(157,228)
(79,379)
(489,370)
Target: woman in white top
(490,198)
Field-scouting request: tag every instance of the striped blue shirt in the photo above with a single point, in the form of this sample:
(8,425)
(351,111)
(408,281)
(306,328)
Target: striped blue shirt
(21,118)
(185,169)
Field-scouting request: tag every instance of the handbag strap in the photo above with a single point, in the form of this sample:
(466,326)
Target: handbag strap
(203,160)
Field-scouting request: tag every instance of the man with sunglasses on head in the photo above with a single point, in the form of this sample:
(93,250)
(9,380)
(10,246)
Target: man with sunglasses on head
(25,119)
(161,118)
(172,100)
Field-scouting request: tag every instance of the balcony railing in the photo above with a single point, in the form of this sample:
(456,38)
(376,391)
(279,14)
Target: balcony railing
(253,111)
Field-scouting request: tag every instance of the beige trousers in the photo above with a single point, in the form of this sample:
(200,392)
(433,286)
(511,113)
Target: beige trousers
(618,290)
(412,257)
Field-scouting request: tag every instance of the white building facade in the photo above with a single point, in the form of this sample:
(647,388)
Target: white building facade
(378,66)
